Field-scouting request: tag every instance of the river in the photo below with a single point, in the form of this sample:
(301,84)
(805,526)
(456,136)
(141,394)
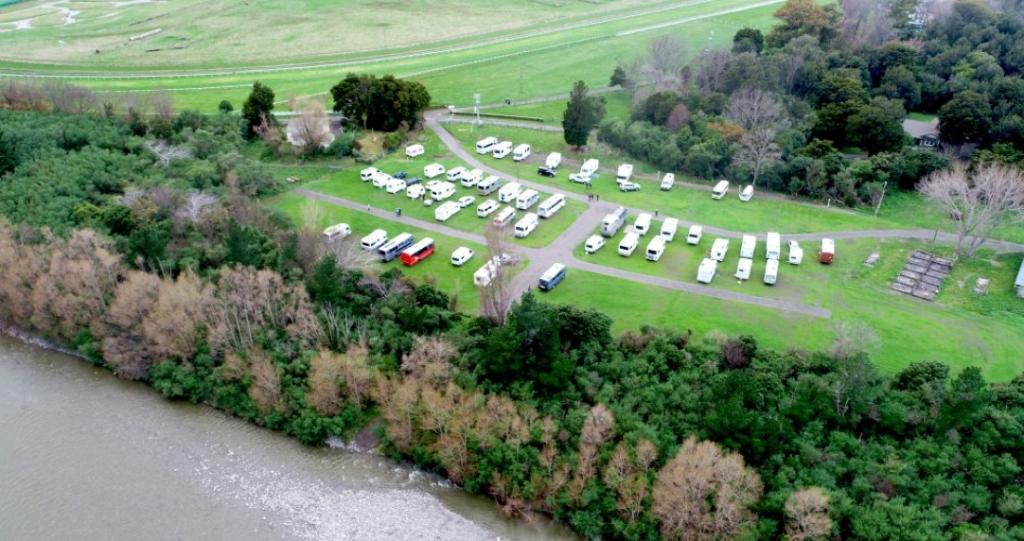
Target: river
(84,455)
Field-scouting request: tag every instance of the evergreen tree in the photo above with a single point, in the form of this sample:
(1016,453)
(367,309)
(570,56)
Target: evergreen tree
(257,107)
(582,113)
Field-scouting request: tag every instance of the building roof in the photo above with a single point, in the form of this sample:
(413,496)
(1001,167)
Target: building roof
(919,129)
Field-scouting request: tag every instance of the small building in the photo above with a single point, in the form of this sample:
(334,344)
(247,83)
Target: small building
(1019,283)
(924,133)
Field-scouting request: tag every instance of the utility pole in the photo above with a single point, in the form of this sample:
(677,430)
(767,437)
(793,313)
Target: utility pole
(476,107)
(881,197)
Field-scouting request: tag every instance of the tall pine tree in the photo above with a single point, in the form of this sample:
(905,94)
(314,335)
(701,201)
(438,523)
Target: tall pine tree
(581,114)
(257,107)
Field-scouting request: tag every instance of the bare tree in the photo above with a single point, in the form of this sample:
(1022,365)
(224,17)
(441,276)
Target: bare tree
(196,205)
(163,104)
(497,297)
(663,65)
(852,339)
(758,150)
(867,23)
(711,68)
(754,108)
(310,131)
(807,515)
(165,152)
(978,201)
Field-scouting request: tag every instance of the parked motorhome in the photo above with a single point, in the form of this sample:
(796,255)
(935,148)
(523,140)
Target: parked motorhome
(502,149)
(521,152)
(553,160)
(526,225)
(719,248)
(589,167)
(461,255)
(720,189)
(455,174)
(413,151)
(596,242)
(773,246)
(771,272)
(744,268)
(374,240)
(628,244)
(655,248)
(471,178)
(707,270)
(392,248)
(828,251)
(614,221)
(487,208)
(668,229)
(748,246)
(366,175)
(441,191)
(337,231)
(642,224)
(433,170)
(486,145)
(381,179)
(509,192)
(526,199)
(395,185)
(668,181)
(446,210)
(418,252)
(551,277)
(488,185)
(415,191)
(796,253)
(505,217)
(747,193)
(624,173)
(551,205)
(694,235)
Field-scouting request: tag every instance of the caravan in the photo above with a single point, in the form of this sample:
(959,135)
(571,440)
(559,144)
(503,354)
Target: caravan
(589,167)
(748,247)
(488,185)
(796,253)
(655,248)
(552,277)
(471,178)
(502,149)
(504,217)
(446,210)
(642,224)
(720,189)
(744,268)
(773,246)
(527,199)
(707,270)
(395,246)
(374,240)
(668,229)
(624,173)
(486,145)
(628,244)
(395,185)
(418,252)
(381,179)
(337,231)
(367,174)
(719,248)
(455,173)
(551,205)
(747,193)
(667,182)
(614,221)
(433,170)
(486,208)
(828,251)
(771,272)
(553,160)
(526,225)
(413,151)
(694,235)
(441,191)
(593,244)
(509,192)
(521,152)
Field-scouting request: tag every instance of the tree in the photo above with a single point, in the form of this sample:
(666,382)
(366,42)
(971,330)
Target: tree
(878,126)
(379,104)
(966,118)
(582,113)
(867,23)
(807,515)
(753,108)
(497,297)
(703,493)
(900,82)
(747,40)
(978,201)
(225,107)
(758,150)
(802,18)
(257,108)
(619,77)
(310,131)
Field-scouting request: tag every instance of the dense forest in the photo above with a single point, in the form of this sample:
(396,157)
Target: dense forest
(815,106)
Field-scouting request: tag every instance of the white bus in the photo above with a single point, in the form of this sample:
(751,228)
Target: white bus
(505,216)
(446,210)
(720,189)
(526,225)
(551,205)
(374,240)
(773,246)
(642,224)
(719,248)
(502,149)
(486,145)
(509,192)
(521,152)
(527,199)
(668,229)
(655,248)
(628,244)
(748,246)
(394,247)
(552,277)
(488,185)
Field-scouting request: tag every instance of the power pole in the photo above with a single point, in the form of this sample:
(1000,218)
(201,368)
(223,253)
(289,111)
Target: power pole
(476,107)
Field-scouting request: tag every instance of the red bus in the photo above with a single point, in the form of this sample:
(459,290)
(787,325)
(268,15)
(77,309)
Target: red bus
(418,252)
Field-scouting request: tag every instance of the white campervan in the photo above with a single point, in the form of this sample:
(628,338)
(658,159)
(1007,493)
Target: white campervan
(707,270)
(446,210)
(747,193)
(521,152)
(668,181)
(613,221)
(771,272)
(381,179)
(395,185)
(773,246)
(796,253)
(628,244)
(415,191)
(505,217)
(502,149)
(374,240)
(471,178)
(486,208)
(455,173)
(337,231)
(553,160)
(748,246)
(642,224)
(589,167)
(526,225)
(441,191)
(624,173)
(744,268)
(367,174)
(433,170)
(486,145)
(488,185)
(527,199)
(720,189)
(593,244)
(413,151)
(551,205)
(655,248)
(719,248)
(668,229)
(693,236)
(509,192)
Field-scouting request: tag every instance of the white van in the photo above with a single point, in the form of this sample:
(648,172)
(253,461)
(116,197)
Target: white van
(773,246)
(367,174)
(593,244)
(747,193)
(719,248)
(486,145)
(455,173)
(461,255)
(694,235)
(655,248)
(395,185)
(771,272)
(488,185)
(527,199)
(505,217)
(720,189)
(509,192)
(433,170)
(446,210)
(521,152)
(668,229)
(796,253)
(442,191)
(471,178)
(526,225)
(628,244)
(486,208)
(551,205)
(624,173)
(589,167)
(337,231)
(502,149)
(748,246)
(553,160)
(668,181)
(374,240)
(413,151)
(707,270)
(642,224)
(381,179)
(744,268)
